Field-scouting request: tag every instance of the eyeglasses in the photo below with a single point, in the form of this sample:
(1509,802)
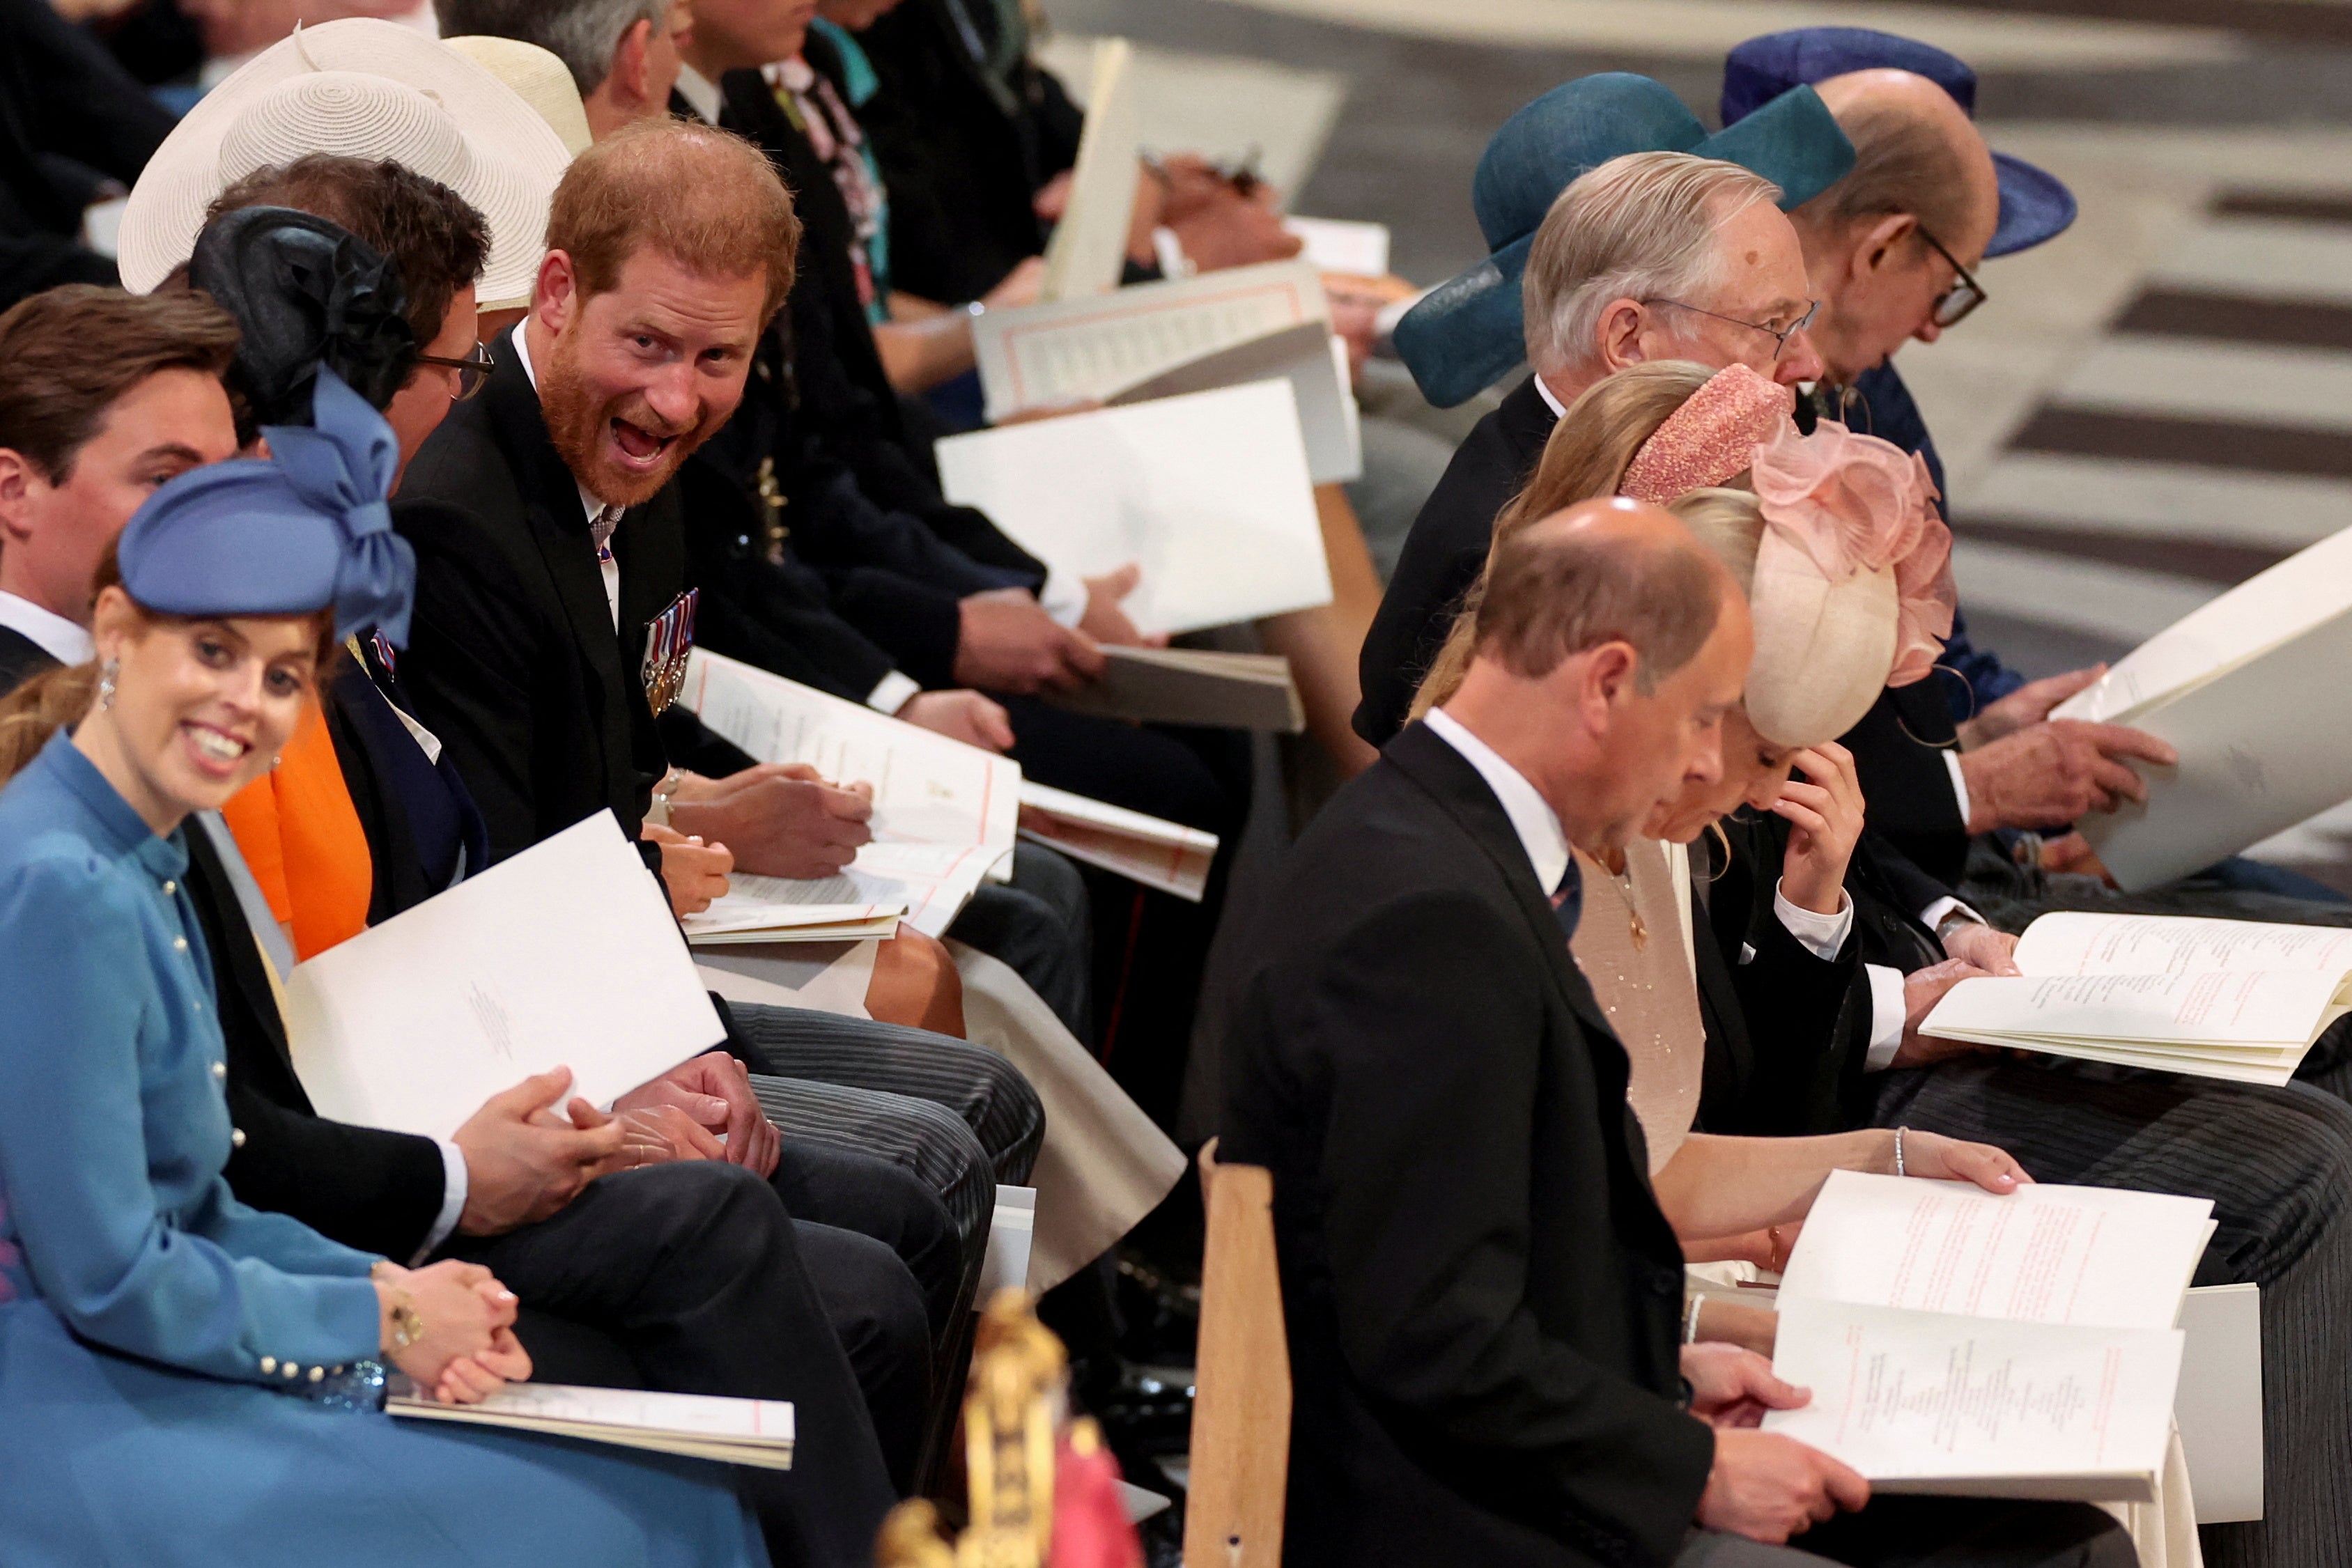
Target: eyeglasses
(1779,335)
(472,370)
(1962,297)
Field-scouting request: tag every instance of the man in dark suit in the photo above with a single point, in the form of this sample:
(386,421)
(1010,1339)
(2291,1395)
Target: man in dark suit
(1635,255)
(103,396)
(546,522)
(1483,1295)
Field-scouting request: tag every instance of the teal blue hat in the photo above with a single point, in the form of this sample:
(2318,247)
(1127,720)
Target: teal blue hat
(1468,332)
(302,531)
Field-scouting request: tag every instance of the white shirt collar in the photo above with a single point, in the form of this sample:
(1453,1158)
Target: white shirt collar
(701,94)
(59,638)
(589,503)
(1551,401)
(1531,815)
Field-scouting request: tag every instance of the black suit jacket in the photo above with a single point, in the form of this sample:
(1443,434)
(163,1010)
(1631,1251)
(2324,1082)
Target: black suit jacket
(1787,1032)
(1443,556)
(1482,1294)
(963,156)
(21,659)
(375,1190)
(512,658)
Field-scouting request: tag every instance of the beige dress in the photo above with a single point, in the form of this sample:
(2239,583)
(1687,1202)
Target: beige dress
(1635,953)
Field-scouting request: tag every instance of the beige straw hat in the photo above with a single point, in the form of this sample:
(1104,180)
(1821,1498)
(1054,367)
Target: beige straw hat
(364,88)
(538,77)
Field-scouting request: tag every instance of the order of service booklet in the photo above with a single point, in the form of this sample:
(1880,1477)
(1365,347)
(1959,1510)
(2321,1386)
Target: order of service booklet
(1973,1343)
(944,812)
(756,1432)
(1192,685)
(564,956)
(1208,493)
(2242,687)
(1143,848)
(2214,998)
(1183,335)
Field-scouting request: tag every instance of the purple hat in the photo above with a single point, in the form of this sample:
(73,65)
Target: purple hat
(2034,204)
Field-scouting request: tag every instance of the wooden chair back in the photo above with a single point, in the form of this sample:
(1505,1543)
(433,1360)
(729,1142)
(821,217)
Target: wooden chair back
(1241,1411)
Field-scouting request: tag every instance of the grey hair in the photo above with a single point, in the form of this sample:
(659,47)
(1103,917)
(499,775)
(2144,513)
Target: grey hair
(1637,227)
(582,34)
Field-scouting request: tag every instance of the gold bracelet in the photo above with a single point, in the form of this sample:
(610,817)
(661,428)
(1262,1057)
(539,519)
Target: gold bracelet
(408,1322)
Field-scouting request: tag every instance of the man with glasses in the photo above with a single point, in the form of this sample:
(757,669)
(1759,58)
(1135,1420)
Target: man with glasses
(1890,251)
(1607,253)
(425,230)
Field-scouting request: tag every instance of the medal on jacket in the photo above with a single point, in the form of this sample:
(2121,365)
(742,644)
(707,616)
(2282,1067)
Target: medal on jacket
(669,643)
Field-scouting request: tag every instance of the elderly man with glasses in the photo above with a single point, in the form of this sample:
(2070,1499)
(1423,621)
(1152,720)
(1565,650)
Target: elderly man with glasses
(1622,231)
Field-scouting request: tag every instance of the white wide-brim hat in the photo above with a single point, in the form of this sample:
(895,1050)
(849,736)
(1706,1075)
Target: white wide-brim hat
(363,88)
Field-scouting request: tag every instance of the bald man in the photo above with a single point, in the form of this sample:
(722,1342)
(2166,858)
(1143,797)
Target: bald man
(1481,1292)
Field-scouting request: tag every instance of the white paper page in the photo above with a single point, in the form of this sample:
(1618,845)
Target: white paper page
(564,956)
(943,811)
(1091,350)
(2275,1067)
(1337,244)
(1911,1399)
(2206,1008)
(738,911)
(2067,943)
(1161,854)
(1208,493)
(1313,360)
(699,1415)
(1089,248)
(2262,747)
(2271,607)
(2046,1253)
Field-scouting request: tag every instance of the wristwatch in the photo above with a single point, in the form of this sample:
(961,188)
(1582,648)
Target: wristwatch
(1951,920)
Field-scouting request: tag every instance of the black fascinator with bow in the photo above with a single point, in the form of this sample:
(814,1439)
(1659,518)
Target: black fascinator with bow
(305,292)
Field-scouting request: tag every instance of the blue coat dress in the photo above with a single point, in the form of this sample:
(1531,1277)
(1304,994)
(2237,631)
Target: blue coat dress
(150,1322)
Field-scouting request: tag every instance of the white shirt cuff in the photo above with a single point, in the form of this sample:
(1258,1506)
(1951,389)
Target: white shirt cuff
(453,1202)
(1886,1013)
(1063,596)
(1945,906)
(891,692)
(1959,784)
(1820,934)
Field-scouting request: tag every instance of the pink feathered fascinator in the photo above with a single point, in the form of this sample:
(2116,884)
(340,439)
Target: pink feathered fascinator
(1710,438)
(1855,504)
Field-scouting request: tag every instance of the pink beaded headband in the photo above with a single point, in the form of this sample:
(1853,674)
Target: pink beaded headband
(1710,438)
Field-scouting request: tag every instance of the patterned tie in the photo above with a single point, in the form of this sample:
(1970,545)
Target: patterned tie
(1568,899)
(600,529)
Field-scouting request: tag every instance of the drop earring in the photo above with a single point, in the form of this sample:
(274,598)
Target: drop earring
(106,674)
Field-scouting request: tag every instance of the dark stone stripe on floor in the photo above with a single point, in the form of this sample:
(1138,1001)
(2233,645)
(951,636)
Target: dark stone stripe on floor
(2335,209)
(2210,444)
(2289,323)
(2211,560)
(2271,19)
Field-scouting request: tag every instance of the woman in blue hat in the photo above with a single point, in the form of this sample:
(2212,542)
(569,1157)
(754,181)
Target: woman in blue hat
(183,1379)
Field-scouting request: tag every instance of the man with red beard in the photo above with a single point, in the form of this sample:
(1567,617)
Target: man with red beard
(549,539)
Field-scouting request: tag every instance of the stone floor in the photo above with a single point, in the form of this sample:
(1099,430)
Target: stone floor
(2150,408)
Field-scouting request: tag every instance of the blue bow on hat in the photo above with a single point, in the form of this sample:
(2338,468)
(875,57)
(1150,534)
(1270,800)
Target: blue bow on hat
(2035,205)
(1470,331)
(302,531)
